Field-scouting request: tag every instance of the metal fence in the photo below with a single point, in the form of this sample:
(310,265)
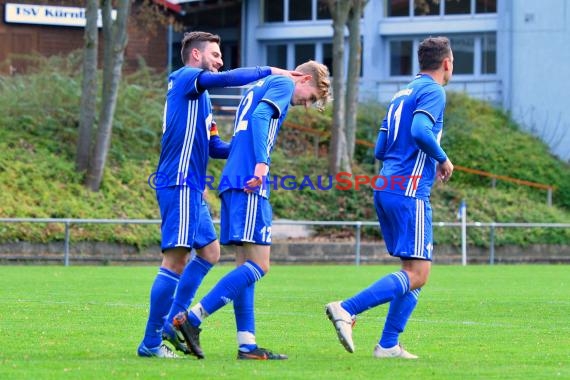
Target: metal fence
(357,225)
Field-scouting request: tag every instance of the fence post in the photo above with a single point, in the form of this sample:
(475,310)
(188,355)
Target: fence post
(463,212)
(358,231)
(66,245)
(492,244)
(549,197)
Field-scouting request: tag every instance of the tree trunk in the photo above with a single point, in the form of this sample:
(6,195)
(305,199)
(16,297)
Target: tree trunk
(353,76)
(113,63)
(338,155)
(89,86)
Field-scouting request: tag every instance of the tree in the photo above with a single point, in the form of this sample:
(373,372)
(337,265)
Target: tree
(89,86)
(115,37)
(345,90)
(92,153)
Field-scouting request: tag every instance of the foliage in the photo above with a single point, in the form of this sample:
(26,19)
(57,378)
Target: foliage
(39,132)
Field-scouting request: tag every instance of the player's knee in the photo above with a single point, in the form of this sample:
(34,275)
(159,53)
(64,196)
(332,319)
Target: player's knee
(264,267)
(213,257)
(175,259)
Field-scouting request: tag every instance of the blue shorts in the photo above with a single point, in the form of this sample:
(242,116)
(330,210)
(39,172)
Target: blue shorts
(245,218)
(180,213)
(206,232)
(406,225)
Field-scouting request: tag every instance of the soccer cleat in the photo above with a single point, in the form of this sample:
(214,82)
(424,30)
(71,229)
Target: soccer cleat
(342,322)
(170,334)
(191,333)
(162,351)
(260,354)
(394,352)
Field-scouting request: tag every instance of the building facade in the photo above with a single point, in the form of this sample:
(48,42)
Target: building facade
(514,54)
(55,27)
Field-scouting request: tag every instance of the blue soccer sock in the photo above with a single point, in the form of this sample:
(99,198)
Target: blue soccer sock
(382,291)
(401,309)
(189,282)
(161,294)
(245,319)
(226,290)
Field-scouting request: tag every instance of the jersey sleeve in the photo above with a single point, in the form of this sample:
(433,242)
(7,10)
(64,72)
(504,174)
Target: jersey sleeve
(236,77)
(423,136)
(218,147)
(380,148)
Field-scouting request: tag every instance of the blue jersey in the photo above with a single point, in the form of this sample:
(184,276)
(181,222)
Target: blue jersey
(258,120)
(407,170)
(187,122)
(186,130)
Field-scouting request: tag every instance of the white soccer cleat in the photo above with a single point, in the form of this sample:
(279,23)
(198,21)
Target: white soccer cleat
(395,352)
(162,351)
(342,322)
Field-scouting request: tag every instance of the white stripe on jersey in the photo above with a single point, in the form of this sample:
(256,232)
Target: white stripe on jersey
(420,232)
(389,120)
(273,124)
(413,182)
(186,152)
(250,217)
(184,220)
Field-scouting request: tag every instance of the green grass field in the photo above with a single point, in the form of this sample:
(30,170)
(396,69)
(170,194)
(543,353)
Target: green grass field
(475,322)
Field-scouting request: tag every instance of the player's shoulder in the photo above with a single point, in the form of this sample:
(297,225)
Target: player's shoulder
(185,71)
(280,80)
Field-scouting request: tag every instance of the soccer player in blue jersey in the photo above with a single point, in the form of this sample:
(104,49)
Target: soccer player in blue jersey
(246,212)
(186,146)
(408,145)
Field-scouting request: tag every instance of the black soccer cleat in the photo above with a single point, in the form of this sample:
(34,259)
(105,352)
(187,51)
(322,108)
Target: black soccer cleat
(260,354)
(190,333)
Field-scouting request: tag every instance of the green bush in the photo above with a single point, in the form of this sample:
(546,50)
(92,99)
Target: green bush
(38,143)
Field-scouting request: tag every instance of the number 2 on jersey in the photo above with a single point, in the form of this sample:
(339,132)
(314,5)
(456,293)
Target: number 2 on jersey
(241,124)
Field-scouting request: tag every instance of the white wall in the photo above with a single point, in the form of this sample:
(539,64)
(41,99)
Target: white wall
(541,70)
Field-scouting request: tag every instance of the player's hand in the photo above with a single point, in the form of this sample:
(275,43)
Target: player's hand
(444,171)
(259,174)
(288,73)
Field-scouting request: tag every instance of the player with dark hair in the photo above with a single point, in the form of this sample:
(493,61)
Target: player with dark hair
(408,145)
(186,144)
(246,214)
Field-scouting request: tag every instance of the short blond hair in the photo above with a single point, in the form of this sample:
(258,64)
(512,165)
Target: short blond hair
(321,79)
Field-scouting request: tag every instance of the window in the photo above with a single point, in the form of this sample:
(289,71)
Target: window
(489,54)
(328,57)
(273,11)
(277,55)
(401,8)
(303,53)
(463,54)
(401,53)
(457,7)
(426,7)
(323,12)
(297,10)
(398,8)
(486,6)
(473,55)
